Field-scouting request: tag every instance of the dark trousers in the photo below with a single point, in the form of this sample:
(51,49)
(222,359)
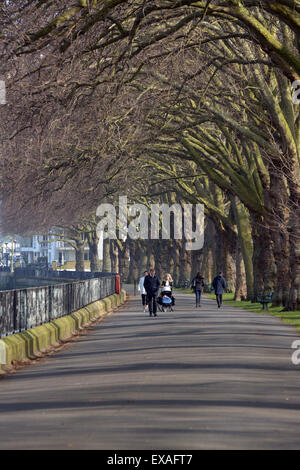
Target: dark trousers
(144,299)
(219,298)
(198,296)
(151,301)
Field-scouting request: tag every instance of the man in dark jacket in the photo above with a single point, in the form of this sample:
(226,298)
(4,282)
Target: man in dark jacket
(219,284)
(151,285)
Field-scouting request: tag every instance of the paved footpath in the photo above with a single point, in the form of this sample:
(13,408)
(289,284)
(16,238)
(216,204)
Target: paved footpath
(191,379)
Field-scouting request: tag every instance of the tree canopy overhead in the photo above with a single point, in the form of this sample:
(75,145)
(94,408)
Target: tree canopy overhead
(192,99)
(82,26)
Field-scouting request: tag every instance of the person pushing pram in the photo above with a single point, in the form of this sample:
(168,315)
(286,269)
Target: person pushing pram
(166,299)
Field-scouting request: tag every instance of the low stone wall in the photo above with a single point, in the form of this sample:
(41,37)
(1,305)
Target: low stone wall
(29,344)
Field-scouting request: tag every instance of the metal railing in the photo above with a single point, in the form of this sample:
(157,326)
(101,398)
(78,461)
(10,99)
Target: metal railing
(53,274)
(21,309)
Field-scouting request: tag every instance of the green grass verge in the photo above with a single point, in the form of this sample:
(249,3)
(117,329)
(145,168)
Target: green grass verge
(292,318)
(182,289)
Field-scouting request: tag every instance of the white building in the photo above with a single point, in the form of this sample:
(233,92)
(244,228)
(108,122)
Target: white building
(9,248)
(40,248)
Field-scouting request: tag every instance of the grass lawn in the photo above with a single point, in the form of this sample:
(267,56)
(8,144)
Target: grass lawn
(292,318)
(182,289)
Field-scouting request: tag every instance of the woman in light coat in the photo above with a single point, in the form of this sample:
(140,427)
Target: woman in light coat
(142,290)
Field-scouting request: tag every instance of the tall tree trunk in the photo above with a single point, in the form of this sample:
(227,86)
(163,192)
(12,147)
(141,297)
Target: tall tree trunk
(279,231)
(263,256)
(157,246)
(93,241)
(170,260)
(294,224)
(197,258)
(106,256)
(123,259)
(176,245)
(133,266)
(240,279)
(138,256)
(114,255)
(229,241)
(207,266)
(185,268)
(218,251)
(150,254)
(245,242)
(79,257)
(143,262)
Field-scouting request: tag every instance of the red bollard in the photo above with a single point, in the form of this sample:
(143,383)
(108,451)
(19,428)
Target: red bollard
(118,284)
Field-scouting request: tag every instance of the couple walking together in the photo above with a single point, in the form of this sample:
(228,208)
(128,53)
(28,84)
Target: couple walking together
(219,284)
(149,286)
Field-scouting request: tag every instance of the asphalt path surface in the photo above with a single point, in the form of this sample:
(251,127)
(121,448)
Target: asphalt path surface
(202,378)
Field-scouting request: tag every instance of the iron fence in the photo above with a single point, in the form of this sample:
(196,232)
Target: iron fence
(53,274)
(21,309)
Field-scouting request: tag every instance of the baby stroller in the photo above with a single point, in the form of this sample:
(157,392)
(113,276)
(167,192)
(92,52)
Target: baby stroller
(165,303)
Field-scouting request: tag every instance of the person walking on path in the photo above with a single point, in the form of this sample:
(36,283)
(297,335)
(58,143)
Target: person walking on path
(151,285)
(219,284)
(166,285)
(198,284)
(142,290)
